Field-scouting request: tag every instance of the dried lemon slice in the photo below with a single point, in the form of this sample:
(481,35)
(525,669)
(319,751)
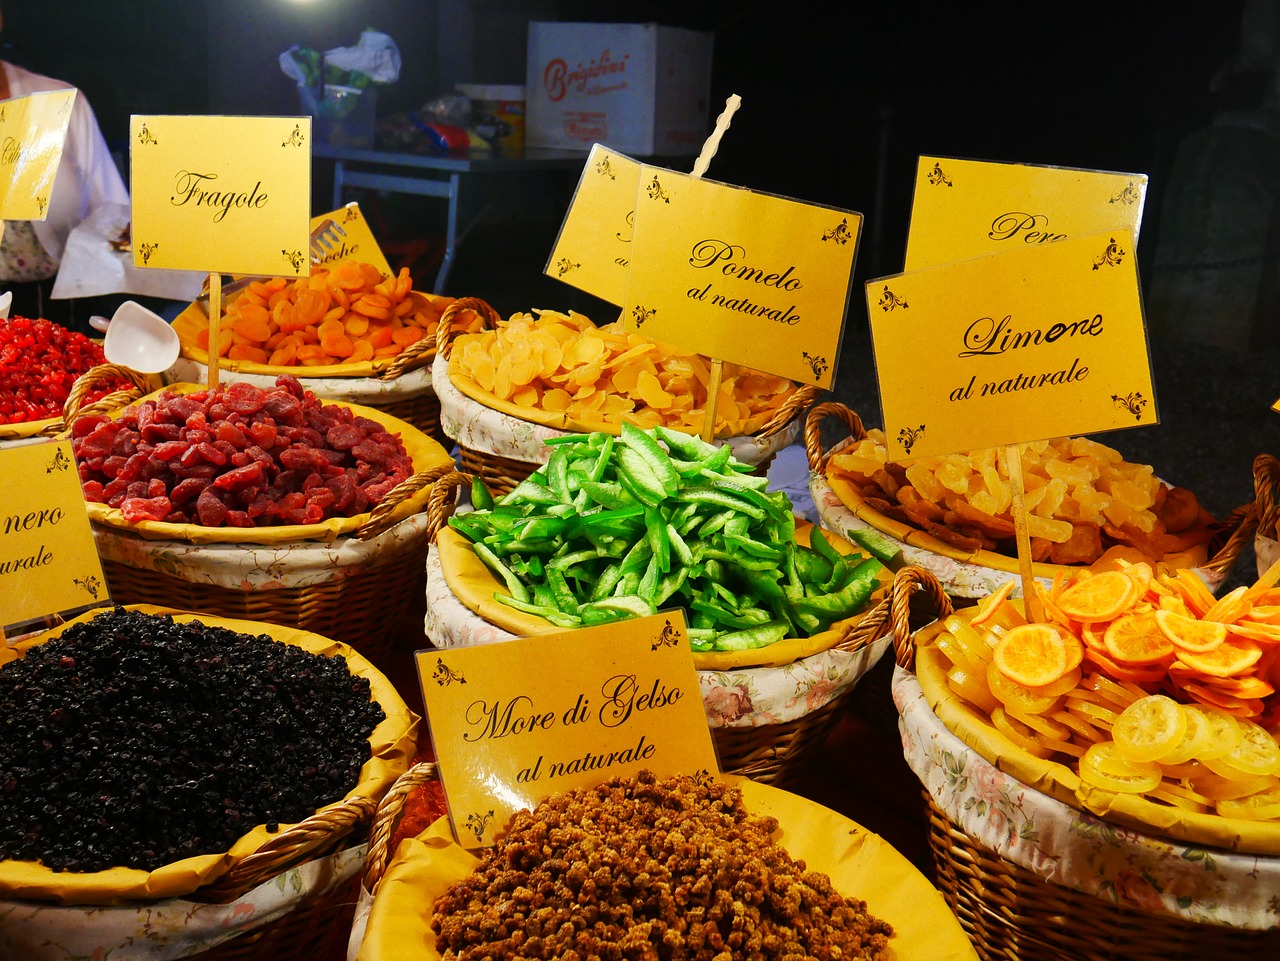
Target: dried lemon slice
(1103,766)
(1224,732)
(1263,806)
(1195,739)
(1257,753)
(1026,700)
(1149,728)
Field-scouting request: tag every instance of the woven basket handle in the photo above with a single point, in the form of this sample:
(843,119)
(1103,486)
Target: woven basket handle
(907,582)
(790,409)
(425,348)
(387,817)
(74,405)
(1237,530)
(443,499)
(813,429)
(447,331)
(1266,475)
(299,843)
(381,518)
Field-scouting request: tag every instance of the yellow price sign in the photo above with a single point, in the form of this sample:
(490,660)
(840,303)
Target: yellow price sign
(33,131)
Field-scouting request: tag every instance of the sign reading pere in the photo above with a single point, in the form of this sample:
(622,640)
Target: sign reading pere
(49,565)
(603,702)
(1011,348)
(593,250)
(969,208)
(736,275)
(33,130)
(222,194)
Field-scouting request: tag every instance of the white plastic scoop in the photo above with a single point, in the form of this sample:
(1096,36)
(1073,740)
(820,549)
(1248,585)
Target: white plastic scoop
(140,339)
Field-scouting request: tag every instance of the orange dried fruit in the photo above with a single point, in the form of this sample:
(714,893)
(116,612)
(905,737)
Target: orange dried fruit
(1228,659)
(1191,633)
(1097,597)
(1137,639)
(1032,655)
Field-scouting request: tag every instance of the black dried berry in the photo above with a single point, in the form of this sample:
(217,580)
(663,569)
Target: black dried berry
(134,740)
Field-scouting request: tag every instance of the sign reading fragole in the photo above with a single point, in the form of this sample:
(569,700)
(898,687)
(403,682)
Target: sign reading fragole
(222,194)
(753,278)
(593,250)
(49,565)
(1038,343)
(602,702)
(33,130)
(969,208)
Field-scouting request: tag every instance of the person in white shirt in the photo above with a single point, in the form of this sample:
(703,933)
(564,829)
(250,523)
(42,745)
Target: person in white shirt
(31,251)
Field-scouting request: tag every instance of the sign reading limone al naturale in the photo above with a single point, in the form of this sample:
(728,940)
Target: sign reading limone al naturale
(1010,348)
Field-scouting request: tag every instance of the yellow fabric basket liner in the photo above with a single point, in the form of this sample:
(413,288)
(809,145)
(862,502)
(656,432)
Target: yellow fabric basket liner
(425,452)
(1063,784)
(474,585)
(392,746)
(860,864)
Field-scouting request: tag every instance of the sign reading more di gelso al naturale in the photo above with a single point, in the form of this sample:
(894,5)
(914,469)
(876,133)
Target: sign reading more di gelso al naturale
(604,702)
(226,194)
(49,565)
(1011,348)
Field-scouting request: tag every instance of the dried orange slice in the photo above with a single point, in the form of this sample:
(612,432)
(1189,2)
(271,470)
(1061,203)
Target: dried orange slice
(1032,655)
(989,605)
(1191,633)
(1226,660)
(1149,728)
(1137,639)
(1129,673)
(1103,766)
(1098,597)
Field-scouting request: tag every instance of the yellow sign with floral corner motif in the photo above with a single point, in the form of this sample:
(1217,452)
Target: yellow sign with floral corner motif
(347,236)
(1011,348)
(33,130)
(49,565)
(516,721)
(969,208)
(737,275)
(593,249)
(222,194)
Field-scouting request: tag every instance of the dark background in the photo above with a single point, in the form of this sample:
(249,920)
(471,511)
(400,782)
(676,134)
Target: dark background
(836,109)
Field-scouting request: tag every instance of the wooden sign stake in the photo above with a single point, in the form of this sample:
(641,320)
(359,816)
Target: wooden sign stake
(215,324)
(1269,579)
(1018,507)
(699,168)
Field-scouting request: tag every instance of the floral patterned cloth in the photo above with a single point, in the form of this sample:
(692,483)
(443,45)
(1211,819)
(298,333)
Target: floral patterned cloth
(366,391)
(265,567)
(1074,849)
(22,258)
(959,578)
(745,697)
(490,431)
(163,930)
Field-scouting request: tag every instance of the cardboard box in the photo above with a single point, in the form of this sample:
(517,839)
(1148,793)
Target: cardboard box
(638,88)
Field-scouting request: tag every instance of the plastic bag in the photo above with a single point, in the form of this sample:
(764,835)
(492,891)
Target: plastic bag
(374,59)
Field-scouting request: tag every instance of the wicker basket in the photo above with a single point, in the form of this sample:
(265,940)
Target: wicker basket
(318,902)
(359,588)
(1011,913)
(401,387)
(1266,489)
(968,575)
(501,473)
(774,753)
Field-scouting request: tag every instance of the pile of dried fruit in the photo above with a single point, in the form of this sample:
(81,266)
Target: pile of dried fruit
(1082,498)
(1146,684)
(135,740)
(240,456)
(565,363)
(39,362)
(340,315)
